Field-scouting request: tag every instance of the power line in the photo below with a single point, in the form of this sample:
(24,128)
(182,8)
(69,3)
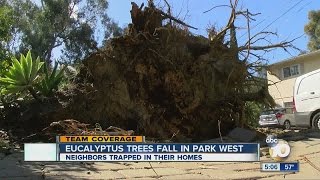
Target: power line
(253,27)
(282,15)
(275,19)
(307,4)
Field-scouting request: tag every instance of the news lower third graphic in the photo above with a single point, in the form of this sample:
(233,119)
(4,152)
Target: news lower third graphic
(280,167)
(99,139)
(133,149)
(279,151)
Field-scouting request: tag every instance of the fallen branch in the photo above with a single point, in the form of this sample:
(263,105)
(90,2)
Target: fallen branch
(216,7)
(279,45)
(219,126)
(176,20)
(248,26)
(169,8)
(283,45)
(230,22)
(311,164)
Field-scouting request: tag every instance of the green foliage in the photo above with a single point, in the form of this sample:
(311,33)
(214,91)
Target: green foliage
(70,25)
(4,65)
(6,22)
(252,113)
(22,75)
(312,29)
(51,80)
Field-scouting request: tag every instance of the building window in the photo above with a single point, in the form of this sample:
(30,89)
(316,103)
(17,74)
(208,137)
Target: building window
(288,104)
(289,107)
(291,71)
(286,72)
(294,70)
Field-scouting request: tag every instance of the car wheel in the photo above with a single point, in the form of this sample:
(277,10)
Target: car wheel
(316,121)
(287,124)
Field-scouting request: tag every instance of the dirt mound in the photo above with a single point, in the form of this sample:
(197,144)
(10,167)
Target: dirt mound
(159,79)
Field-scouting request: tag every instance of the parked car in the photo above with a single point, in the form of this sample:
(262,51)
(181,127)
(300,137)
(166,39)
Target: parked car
(306,100)
(280,117)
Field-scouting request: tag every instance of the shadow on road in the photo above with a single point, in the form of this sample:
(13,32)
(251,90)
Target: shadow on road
(302,134)
(13,167)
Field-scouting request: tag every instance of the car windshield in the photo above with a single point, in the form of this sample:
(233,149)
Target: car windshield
(274,111)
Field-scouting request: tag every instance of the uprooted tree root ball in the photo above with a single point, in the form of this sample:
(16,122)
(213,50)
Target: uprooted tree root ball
(161,80)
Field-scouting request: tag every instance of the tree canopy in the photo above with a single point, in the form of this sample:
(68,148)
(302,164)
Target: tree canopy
(5,29)
(5,35)
(312,29)
(70,25)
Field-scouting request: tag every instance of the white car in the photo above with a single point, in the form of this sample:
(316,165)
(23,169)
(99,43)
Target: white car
(280,117)
(306,100)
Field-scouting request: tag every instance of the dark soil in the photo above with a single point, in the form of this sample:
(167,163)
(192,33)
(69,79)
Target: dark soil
(158,80)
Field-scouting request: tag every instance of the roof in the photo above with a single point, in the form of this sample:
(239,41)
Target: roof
(296,58)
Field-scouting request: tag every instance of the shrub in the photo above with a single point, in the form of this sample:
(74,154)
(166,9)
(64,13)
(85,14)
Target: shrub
(25,75)
(51,80)
(22,75)
(252,113)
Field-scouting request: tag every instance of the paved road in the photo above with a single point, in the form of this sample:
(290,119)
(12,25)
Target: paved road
(305,149)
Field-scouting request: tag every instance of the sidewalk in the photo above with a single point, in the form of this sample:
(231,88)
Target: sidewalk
(307,151)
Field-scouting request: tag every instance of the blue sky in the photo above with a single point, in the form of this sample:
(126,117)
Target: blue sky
(288,26)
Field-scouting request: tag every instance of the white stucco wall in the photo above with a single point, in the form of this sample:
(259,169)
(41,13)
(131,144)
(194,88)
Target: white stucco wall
(282,88)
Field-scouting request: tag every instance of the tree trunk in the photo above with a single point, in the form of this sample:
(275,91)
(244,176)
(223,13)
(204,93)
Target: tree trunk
(34,94)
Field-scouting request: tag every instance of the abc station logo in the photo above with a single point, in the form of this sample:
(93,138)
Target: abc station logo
(279,150)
